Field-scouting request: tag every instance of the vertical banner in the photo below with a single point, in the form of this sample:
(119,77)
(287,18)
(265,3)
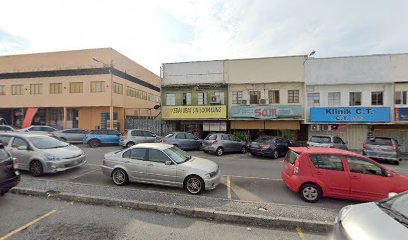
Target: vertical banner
(29,116)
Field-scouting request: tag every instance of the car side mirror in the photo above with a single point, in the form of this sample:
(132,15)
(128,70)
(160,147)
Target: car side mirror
(22,148)
(168,163)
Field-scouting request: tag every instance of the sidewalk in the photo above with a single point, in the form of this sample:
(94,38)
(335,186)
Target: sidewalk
(251,213)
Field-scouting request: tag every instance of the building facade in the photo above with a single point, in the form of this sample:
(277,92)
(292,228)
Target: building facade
(194,97)
(266,94)
(84,88)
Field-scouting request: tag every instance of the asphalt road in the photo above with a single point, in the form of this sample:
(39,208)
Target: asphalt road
(245,178)
(24,217)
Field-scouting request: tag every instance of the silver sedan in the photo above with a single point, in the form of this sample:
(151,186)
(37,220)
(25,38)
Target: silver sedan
(41,154)
(161,164)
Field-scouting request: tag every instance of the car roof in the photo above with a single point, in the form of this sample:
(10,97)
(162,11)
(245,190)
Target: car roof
(158,146)
(320,150)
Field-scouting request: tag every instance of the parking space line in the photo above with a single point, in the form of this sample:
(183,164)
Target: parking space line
(260,178)
(228,188)
(83,174)
(17,230)
(300,233)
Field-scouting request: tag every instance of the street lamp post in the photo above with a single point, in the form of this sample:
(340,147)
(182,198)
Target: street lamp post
(110,67)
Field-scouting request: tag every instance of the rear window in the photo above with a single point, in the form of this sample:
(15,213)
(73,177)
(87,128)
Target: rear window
(3,154)
(169,135)
(211,137)
(380,141)
(292,156)
(320,139)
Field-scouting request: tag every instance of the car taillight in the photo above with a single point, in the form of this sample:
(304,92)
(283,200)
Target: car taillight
(163,140)
(215,142)
(126,134)
(265,146)
(103,162)
(307,145)
(394,147)
(364,146)
(15,163)
(296,168)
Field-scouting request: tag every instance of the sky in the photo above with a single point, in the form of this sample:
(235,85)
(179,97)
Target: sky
(162,31)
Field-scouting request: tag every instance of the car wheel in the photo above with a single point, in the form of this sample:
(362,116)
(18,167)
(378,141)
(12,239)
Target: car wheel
(244,149)
(94,143)
(36,168)
(175,145)
(396,162)
(310,193)
(120,177)
(200,147)
(194,184)
(206,151)
(130,144)
(275,154)
(219,151)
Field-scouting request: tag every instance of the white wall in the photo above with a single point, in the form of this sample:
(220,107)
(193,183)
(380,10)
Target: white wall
(348,70)
(399,67)
(193,72)
(345,89)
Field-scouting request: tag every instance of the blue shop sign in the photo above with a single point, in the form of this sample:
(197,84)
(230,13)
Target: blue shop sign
(401,114)
(350,114)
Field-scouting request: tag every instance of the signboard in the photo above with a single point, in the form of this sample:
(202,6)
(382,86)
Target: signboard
(350,114)
(401,114)
(266,112)
(194,112)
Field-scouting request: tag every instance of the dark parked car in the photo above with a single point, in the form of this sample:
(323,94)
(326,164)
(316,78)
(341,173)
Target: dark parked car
(270,146)
(183,140)
(9,175)
(382,148)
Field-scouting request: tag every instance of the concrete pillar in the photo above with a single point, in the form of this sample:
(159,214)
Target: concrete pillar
(65,117)
(111,117)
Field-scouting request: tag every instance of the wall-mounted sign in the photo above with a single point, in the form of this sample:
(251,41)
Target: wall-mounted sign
(266,112)
(350,114)
(194,112)
(401,114)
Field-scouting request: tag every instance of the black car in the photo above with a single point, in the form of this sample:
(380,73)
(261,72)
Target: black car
(9,176)
(269,146)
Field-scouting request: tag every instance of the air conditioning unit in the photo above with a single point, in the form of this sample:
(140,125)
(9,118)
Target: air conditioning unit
(262,101)
(215,100)
(314,127)
(244,102)
(324,127)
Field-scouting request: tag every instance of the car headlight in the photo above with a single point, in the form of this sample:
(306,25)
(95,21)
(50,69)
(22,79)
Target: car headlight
(51,157)
(342,214)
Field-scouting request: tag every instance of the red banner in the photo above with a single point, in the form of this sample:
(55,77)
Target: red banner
(29,117)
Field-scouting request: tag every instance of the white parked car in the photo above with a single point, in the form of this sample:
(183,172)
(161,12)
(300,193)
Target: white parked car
(38,129)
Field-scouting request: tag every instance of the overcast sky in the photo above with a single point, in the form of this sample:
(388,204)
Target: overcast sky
(154,32)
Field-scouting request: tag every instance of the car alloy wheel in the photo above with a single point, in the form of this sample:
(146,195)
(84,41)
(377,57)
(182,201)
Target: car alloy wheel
(119,177)
(194,185)
(200,147)
(130,144)
(310,193)
(243,149)
(94,143)
(36,168)
(219,151)
(275,154)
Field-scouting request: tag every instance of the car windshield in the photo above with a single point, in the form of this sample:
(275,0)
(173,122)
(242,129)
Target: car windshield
(178,155)
(398,206)
(3,154)
(292,156)
(264,139)
(320,139)
(379,141)
(46,142)
(169,135)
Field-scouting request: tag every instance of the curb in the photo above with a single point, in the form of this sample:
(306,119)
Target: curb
(203,213)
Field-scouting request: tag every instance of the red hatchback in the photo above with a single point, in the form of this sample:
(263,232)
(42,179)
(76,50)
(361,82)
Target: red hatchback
(329,172)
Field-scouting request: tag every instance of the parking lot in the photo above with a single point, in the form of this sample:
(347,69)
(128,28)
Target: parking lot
(244,178)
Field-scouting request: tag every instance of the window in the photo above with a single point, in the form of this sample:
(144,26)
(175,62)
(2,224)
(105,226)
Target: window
(113,132)
(148,134)
(337,140)
(186,98)
(135,153)
(97,86)
(401,97)
(76,87)
(358,165)
(190,136)
(55,88)
(376,98)
(318,139)
(6,128)
(334,98)
(211,137)
(137,133)
(355,99)
(16,89)
(18,142)
(225,137)
(273,96)
(202,98)
(313,99)
(328,162)
(2,90)
(157,156)
(221,96)
(35,89)
(254,97)
(131,92)
(293,96)
(5,140)
(379,141)
(237,97)
(180,136)
(171,99)
(117,88)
